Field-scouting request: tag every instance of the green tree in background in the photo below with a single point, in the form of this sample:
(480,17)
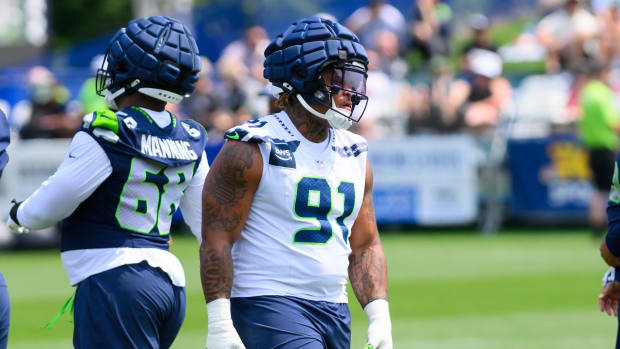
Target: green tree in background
(77,20)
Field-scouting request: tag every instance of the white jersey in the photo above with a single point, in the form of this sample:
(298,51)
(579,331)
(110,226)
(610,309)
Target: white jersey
(295,241)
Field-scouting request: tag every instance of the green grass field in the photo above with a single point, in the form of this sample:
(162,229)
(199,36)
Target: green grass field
(515,290)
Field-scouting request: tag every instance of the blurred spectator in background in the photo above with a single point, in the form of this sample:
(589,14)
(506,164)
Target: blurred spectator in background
(378,15)
(387,49)
(432,109)
(204,100)
(48,117)
(546,7)
(564,33)
(88,99)
(600,6)
(240,68)
(480,38)
(387,107)
(599,127)
(230,89)
(249,51)
(609,37)
(221,121)
(430,29)
(480,95)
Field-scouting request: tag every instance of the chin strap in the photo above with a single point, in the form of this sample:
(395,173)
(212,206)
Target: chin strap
(335,120)
(110,98)
(162,95)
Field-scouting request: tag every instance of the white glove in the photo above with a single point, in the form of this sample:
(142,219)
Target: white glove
(11,223)
(609,277)
(379,335)
(221,333)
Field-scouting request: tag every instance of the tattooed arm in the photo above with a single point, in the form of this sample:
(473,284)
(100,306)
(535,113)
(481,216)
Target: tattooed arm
(368,271)
(367,268)
(226,198)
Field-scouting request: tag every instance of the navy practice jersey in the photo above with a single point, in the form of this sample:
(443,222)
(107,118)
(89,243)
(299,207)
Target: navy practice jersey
(151,168)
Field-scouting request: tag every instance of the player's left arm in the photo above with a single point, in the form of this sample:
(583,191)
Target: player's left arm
(368,270)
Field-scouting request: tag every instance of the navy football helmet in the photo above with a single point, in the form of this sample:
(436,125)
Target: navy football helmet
(156,56)
(296,59)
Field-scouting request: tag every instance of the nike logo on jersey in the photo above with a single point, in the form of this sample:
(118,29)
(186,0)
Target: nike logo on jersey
(71,156)
(234,136)
(166,148)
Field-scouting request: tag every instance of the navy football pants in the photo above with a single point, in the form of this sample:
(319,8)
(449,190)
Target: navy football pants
(268,322)
(5,313)
(132,306)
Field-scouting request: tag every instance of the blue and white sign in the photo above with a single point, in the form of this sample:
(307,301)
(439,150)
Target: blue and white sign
(550,177)
(426,180)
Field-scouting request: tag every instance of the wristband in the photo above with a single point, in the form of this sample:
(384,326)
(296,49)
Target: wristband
(13,211)
(377,309)
(218,310)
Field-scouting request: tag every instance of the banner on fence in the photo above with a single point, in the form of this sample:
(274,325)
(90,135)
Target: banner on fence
(426,180)
(549,177)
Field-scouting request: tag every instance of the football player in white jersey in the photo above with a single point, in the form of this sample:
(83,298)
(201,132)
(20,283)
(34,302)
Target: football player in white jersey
(125,175)
(287,207)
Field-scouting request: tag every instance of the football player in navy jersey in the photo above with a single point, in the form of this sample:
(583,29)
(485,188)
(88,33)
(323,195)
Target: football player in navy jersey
(124,176)
(287,207)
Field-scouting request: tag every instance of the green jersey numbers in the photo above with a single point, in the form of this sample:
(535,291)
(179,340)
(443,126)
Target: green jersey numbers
(313,201)
(151,195)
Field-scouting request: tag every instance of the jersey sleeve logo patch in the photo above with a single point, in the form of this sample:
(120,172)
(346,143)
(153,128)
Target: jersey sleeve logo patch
(282,155)
(130,122)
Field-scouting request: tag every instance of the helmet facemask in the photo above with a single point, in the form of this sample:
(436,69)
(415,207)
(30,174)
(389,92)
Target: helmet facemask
(103,82)
(344,85)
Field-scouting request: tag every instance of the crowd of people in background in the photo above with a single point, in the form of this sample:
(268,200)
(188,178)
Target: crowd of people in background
(429,71)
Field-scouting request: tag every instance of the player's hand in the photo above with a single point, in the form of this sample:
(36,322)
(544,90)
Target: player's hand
(223,335)
(11,222)
(608,300)
(221,332)
(379,334)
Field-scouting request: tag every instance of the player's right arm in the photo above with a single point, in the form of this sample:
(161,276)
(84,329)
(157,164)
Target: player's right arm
(226,199)
(84,168)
